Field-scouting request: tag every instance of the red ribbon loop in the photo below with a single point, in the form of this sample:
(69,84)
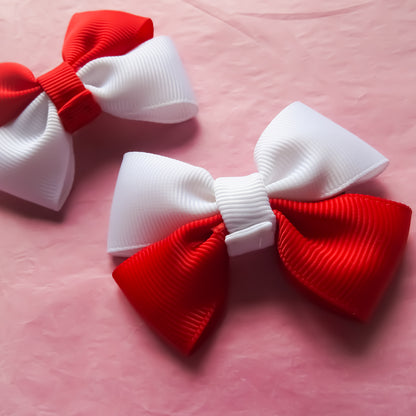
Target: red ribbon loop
(179,284)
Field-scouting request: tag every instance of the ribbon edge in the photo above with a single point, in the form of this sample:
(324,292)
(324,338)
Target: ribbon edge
(379,167)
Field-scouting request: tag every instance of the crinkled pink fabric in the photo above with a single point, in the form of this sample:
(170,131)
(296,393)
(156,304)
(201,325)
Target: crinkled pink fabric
(70,343)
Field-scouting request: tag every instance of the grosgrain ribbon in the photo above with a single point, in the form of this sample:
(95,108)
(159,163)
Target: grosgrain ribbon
(111,64)
(341,249)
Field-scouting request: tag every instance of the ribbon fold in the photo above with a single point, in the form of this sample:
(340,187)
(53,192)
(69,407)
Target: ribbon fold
(111,63)
(341,249)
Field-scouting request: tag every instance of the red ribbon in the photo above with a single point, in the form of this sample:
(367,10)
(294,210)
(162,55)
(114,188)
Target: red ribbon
(90,35)
(342,251)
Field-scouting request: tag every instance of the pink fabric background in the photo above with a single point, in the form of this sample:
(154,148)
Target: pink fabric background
(70,344)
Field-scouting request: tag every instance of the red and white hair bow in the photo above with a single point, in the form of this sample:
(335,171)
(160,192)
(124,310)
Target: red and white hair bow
(342,249)
(111,64)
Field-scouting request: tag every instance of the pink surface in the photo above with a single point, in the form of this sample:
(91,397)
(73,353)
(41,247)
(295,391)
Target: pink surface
(70,344)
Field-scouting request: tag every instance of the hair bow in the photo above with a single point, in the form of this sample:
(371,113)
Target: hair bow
(110,63)
(342,249)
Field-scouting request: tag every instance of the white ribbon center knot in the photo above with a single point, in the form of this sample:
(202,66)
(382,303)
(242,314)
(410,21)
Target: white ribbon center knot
(245,209)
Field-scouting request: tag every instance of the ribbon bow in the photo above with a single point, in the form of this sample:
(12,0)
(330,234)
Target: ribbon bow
(341,249)
(110,63)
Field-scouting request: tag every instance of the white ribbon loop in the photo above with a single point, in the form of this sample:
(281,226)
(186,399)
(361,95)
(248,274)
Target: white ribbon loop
(304,156)
(36,154)
(154,196)
(301,155)
(149,83)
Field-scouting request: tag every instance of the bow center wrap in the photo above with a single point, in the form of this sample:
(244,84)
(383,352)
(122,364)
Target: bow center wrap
(75,104)
(245,209)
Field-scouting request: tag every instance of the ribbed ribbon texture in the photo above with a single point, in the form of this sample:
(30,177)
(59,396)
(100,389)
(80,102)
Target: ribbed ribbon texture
(342,251)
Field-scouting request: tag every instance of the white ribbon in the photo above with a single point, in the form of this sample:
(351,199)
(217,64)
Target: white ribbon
(149,83)
(301,156)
